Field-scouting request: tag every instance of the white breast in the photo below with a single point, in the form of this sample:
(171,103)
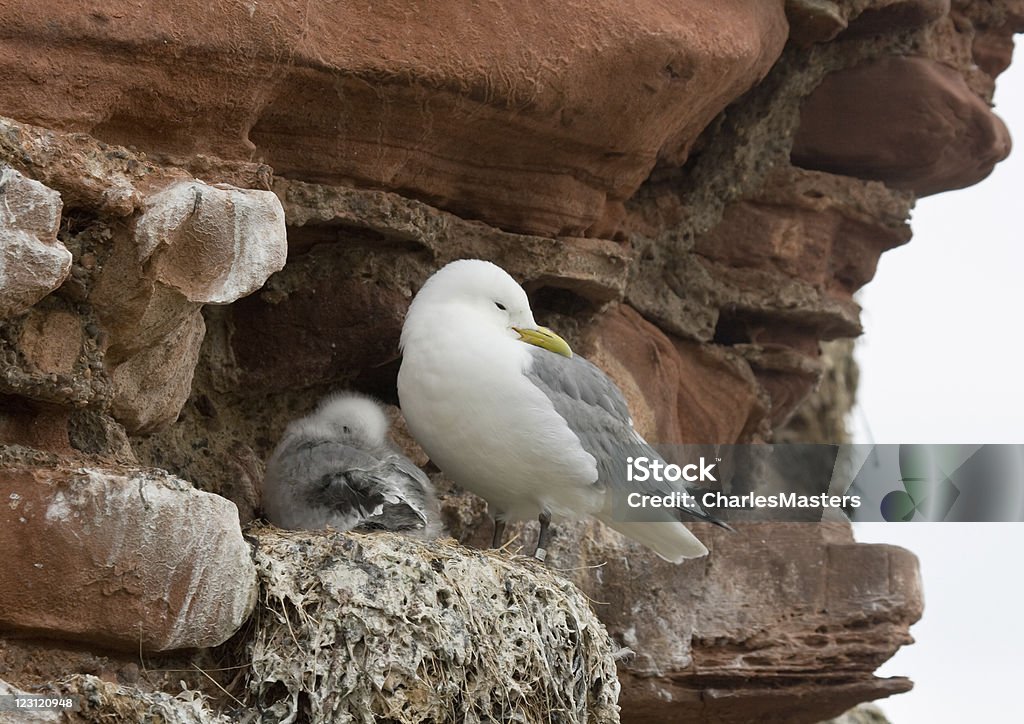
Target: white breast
(491,431)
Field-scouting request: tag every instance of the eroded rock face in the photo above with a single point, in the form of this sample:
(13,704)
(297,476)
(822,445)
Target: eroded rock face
(374,223)
(740,635)
(53,356)
(214,244)
(708,645)
(816,595)
(192,244)
(127,558)
(816,21)
(994,27)
(911,122)
(499,114)
(124,333)
(677,391)
(579,146)
(32,262)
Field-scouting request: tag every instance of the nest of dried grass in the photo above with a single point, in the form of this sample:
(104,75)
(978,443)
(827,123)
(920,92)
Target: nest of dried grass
(103,702)
(369,628)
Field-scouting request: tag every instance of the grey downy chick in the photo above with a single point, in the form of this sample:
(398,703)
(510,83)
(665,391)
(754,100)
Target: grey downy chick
(337,467)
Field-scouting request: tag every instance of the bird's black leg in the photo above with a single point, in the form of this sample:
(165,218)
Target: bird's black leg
(499,533)
(541,553)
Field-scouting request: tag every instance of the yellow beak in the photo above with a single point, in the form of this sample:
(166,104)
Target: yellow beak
(546,339)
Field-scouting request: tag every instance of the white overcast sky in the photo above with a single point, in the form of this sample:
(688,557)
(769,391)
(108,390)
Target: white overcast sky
(942,360)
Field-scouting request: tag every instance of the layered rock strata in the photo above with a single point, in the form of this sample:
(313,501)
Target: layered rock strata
(212,215)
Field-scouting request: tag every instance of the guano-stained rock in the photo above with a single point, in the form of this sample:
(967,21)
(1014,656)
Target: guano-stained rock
(214,244)
(193,244)
(32,262)
(125,557)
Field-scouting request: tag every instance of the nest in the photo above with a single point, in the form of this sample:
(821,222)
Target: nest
(105,703)
(371,628)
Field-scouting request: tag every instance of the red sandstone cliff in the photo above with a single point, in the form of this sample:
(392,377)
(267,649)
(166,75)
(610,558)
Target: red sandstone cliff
(211,214)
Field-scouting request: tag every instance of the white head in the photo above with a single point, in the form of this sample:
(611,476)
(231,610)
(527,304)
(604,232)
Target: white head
(355,418)
(477,292)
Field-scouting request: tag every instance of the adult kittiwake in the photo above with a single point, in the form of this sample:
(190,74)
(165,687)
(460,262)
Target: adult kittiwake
(336,467)
(505,409)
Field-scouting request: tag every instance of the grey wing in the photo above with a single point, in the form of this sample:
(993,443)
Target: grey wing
(362,491)
(596,411)
(417,491)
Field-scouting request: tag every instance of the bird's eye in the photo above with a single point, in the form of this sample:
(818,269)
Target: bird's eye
(500,306)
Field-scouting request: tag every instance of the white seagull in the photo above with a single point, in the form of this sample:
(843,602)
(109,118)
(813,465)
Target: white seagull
(336,467)
(505,409)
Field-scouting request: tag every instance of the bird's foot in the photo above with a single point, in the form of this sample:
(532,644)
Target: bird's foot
(499,534)
(541,554)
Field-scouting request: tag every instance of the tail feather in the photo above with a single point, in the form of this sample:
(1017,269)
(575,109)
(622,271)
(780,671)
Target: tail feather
(699,513)
(670,540)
